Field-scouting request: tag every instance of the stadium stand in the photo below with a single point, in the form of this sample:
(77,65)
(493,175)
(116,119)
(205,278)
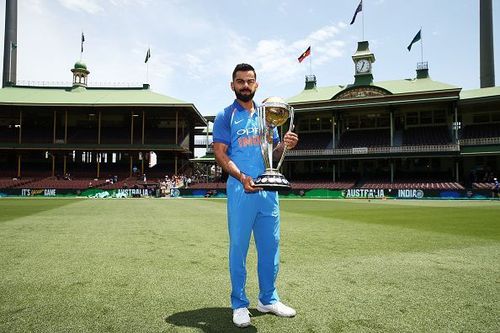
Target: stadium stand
(364,138)
(413,185)
(82,135)
(319,140)
(483,186)
(307,185)
(209,186)
(112,136)
(14,182)
(9,134)
(429,135)
(52,182)
(481,131)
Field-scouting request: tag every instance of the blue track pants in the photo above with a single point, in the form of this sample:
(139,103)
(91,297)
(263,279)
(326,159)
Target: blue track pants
(257,212)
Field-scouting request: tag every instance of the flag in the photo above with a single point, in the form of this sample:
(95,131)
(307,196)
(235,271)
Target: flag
(83,40)
(305,54)
(148,55)
(415,39)
(358,9)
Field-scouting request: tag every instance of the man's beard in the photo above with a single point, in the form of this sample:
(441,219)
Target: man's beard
(244,98)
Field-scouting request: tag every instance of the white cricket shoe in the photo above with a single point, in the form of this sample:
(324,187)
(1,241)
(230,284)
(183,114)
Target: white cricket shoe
(241,317)
(278,308)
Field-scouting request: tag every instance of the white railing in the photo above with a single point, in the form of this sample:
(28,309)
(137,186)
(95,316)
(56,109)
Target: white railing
(202,140)
(30,83)
(479,141)
(375,150)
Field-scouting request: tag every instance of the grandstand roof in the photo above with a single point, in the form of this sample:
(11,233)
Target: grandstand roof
(395,87)
(23,95)
(90,96)
(487,93)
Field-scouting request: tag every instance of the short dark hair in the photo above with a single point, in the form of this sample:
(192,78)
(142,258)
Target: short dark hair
(244,68)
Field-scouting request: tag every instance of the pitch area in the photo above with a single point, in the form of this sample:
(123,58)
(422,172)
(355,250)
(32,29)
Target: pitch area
(155,265)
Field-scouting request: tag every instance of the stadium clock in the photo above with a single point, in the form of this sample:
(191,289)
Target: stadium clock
(363,66)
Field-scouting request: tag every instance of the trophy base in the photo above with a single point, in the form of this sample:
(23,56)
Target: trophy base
(273,181)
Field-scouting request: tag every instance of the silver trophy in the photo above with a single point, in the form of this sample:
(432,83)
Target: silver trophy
(272,113)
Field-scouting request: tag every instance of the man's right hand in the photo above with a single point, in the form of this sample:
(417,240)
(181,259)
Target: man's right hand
(248,184)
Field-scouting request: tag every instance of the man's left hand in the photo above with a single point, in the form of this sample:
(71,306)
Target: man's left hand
(290,139)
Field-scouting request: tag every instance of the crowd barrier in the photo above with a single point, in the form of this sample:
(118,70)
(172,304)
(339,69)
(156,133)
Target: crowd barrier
(353,193)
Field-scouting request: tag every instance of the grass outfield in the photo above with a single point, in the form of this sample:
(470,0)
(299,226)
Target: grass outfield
(154,265)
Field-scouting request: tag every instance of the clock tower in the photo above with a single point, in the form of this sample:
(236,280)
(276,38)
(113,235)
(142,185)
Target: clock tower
(363,60)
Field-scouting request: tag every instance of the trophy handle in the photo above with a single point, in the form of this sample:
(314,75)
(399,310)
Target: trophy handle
(266,154)
(282,158)
(285,149)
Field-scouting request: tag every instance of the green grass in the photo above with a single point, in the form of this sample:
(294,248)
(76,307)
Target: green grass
(154,265)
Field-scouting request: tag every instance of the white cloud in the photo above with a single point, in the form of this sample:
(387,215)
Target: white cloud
(323,34)
(89,6)
(121,3)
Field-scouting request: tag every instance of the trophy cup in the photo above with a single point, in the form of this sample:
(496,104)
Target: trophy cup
(272,113)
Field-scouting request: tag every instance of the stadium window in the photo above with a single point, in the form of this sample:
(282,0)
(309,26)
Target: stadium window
(439,116)
(367,122)
(412,118)
(83,157)
(315,124)
(481,118)
(426,117)
(303,124)
(352,122)
(113,158)
(383,121)
(326,123)
(495,116)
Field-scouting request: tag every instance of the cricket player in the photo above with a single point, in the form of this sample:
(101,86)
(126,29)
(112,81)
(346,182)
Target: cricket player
(249,209)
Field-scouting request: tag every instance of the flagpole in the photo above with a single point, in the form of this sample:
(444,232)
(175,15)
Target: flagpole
(363,20)
(81,47)
(310,64)
(421,46)
(147,65)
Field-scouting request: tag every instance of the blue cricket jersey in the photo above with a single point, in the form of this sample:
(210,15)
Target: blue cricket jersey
(239,130)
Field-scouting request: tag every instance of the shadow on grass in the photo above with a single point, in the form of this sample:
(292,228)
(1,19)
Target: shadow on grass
(13,208)
(210,320)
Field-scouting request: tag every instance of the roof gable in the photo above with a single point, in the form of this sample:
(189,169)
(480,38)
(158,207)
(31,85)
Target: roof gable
(394,87)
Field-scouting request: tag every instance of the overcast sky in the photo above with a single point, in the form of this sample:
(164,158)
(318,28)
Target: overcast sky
(195,44)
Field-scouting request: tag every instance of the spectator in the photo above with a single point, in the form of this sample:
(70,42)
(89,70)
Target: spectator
(496,188)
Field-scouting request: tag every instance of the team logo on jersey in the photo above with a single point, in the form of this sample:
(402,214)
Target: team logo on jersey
(247,131)
(248,137)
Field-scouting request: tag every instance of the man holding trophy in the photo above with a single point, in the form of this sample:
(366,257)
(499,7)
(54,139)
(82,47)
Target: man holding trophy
(246,141)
